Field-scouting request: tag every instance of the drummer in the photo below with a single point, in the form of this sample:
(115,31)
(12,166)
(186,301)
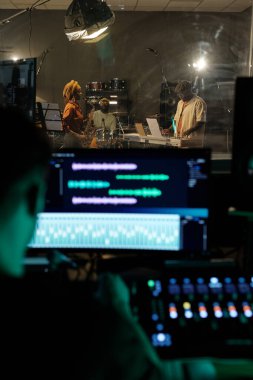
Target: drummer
(103,119)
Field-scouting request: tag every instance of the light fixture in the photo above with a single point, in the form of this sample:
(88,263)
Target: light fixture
(200,65)
(87,19)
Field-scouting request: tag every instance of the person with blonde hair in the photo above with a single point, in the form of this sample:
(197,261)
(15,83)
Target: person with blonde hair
(73,118)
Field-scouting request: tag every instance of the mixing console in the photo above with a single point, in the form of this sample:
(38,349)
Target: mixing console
(195,315)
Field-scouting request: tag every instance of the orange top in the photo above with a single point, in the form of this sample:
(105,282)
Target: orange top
(72,118)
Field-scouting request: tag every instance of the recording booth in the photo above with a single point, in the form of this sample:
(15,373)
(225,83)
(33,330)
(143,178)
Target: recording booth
(147,216)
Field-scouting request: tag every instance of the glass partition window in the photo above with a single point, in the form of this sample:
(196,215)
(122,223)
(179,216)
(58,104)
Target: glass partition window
(138,63)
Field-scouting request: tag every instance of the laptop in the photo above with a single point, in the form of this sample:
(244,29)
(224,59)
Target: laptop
(132,202)
(154,127)
(139,128)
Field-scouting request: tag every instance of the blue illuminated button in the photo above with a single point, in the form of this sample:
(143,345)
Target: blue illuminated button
(229,286)
(201,287)
(174,289)
(215,285)
(159,327)
(243,287)
(188,288)
(161,340)
(155,287)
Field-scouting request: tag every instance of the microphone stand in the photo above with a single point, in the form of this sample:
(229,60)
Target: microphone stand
(103,123)
(120,126)
(156,53)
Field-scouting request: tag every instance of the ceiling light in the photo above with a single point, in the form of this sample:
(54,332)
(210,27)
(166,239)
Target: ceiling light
(87,19)
(200,65)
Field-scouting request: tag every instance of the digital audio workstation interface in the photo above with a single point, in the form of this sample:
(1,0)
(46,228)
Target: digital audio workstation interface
(134,199)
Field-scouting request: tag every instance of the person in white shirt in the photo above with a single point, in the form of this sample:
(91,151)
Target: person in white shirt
(103,118)
(190,117)
(104,123)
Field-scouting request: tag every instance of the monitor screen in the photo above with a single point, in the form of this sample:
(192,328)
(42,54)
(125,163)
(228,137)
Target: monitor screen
(242,149)
(18,84)
(128,200)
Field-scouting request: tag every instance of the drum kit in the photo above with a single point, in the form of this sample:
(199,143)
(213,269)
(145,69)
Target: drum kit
(113,84)
(108,139)
(105,138)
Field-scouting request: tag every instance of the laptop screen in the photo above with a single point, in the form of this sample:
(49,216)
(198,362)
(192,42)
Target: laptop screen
(132,200)
(154,127)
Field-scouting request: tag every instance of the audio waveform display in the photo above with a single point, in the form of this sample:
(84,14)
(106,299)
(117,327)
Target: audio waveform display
(125,192)
(88,184)
(103,201)
(143,177)
(103,166)
(145,192)
(127,231)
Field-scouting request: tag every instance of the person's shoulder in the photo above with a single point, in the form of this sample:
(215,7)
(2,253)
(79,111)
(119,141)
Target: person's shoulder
(199,101)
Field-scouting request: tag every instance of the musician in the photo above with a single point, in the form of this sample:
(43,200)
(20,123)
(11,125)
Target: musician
(190,117)
(103,120)
(73,119)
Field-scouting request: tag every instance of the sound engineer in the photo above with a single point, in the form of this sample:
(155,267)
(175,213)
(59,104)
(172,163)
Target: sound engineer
(89,334)
(190,117)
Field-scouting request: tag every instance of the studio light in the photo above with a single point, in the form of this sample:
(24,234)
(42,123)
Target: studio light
(87,19)
(200,65)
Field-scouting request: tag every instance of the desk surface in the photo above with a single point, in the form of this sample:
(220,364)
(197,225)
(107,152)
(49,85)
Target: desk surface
(170,141)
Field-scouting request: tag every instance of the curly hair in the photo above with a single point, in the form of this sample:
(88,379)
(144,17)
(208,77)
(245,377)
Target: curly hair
(183,85)
(69,89)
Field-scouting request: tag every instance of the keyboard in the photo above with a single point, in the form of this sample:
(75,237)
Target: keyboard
(195,315)
(185,142)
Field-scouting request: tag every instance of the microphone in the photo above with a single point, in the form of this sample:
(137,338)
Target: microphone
(151,50)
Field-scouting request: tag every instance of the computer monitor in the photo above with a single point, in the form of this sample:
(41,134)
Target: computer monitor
(127,201)
(18,84)
(242,147)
